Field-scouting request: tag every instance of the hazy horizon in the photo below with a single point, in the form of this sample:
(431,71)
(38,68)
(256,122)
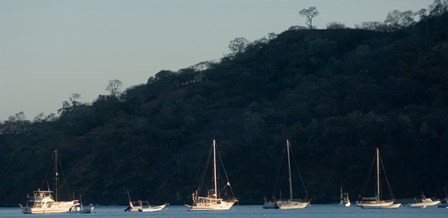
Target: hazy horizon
(53,48)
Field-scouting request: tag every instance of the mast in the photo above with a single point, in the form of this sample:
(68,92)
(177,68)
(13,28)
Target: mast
(214,170)
(56,175)
(377,174)
(341,196)
(289,170)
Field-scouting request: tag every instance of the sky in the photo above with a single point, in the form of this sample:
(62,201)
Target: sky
(50,49)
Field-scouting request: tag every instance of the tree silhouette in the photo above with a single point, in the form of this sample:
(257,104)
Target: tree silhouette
(309,14)
(114,87)
(238,45)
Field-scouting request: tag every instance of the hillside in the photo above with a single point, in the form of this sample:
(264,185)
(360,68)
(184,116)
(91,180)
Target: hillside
(335,94)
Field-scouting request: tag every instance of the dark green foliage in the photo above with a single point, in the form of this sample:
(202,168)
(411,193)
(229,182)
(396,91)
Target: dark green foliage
(336,94)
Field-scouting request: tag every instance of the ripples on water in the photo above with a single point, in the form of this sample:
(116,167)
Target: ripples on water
(315,211)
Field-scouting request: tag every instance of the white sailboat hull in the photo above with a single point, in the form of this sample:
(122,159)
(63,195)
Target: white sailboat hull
(374,203)
(286,205)
(380,205)
(393,206)
(223,205)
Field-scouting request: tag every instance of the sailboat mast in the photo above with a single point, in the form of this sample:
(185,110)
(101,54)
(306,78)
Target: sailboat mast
(214,169)
(378,174)
(289,170)
(341,197)
(56,175)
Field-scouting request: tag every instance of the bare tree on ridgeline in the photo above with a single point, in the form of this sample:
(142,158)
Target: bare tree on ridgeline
(309,14)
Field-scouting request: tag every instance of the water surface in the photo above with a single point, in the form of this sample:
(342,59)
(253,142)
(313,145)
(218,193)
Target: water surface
(237,211)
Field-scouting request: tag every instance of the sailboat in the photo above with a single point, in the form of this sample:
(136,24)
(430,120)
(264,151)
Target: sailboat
(344,199)
(212,201)
(42,201)
(376,202)
(291,203)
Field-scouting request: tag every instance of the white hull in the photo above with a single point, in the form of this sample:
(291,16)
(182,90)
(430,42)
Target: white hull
(374,203)
(143,206)
(348,204)
(286,205)
(223,205)
(81,210)
(56,207)
(424,204)
(380,206)
(152,208)
(417,206)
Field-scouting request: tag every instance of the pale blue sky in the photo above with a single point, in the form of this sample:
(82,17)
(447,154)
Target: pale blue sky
(50,49)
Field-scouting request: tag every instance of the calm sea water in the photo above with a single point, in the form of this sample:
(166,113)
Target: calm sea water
(315,211)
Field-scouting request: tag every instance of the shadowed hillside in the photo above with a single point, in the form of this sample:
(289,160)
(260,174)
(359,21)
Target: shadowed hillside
(335,94)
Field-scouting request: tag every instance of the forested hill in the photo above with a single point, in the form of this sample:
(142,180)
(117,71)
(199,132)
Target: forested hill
(335,94)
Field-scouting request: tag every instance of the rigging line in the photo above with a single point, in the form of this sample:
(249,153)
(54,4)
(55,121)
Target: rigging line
(204,172)
(300,174)
(225,172)
(278,172)
(221,181)
(364,187)
(48,170)
(224,188)
(387,180)
(63,176)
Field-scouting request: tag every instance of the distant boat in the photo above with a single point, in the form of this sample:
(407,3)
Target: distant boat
(143,206)
(80,209)
(376,202)
(212,201)
(424,202)
(444,205)
(344,199)
(269,204)
(42,202)
(291,203)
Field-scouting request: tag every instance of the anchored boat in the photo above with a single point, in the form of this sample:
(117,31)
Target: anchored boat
(291,203)
(43,201)
(344,199)
(212,201)
(376,202)
(143,206)
(425,202)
